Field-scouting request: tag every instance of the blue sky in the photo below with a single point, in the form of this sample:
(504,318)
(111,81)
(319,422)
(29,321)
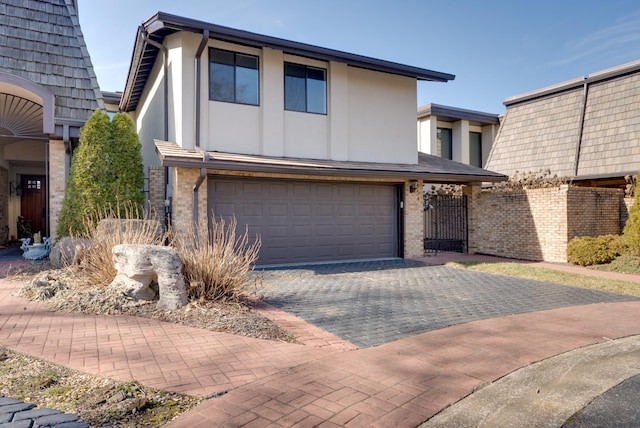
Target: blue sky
(496,48)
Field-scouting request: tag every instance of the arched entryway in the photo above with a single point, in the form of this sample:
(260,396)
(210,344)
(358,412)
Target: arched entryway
(25,116)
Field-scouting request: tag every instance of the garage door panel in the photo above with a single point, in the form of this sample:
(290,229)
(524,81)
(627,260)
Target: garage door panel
(311,221)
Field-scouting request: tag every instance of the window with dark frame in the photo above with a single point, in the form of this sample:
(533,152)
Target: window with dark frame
(475,149)
(233,77)
(445,147)
(305,88)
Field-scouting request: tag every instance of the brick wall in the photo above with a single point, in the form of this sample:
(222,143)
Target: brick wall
(156,191)
(537,224)
(4,205)
(625,206)
(57,182)
(182,181)
(413,221)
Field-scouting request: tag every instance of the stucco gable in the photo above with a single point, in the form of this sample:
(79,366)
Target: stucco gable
(41,41)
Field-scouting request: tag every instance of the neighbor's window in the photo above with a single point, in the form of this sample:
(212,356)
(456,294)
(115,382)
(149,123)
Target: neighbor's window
(475,149)
(233,77)
(305,88)
(444,143)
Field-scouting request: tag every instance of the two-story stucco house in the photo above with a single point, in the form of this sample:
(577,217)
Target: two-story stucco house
(455,133)
(312,148)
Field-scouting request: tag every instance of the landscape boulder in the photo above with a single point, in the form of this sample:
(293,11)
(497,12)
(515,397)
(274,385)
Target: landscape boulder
(147,272)
(68,251)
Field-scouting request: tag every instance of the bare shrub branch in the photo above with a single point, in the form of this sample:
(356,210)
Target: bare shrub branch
(107,228)
(216,263)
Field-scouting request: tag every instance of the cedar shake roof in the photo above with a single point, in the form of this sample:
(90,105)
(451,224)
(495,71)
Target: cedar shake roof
(41,41)
(587,128)
(152,32)
(429,168)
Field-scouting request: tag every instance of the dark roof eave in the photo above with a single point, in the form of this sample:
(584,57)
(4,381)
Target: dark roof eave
(163,22)
(332,172)
(457,113)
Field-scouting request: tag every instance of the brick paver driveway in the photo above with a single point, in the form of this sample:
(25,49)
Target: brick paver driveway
(370,303)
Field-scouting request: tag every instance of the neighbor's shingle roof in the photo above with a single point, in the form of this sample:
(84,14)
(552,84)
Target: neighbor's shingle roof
(41,41)
(429,168)
(557,128)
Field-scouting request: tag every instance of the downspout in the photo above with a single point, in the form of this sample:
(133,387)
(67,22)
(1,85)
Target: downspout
(165,137)
(585,94)
(205,155)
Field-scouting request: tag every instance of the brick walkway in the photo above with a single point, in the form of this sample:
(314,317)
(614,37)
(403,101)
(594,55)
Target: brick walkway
(400,383)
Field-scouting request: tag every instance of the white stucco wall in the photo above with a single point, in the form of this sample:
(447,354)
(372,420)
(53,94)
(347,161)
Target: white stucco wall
(382,111)
(149,116)
(370,115)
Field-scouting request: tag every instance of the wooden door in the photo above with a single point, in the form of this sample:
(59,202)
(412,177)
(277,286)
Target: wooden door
(33,202)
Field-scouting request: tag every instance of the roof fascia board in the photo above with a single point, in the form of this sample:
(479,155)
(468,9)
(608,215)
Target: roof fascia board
(457,113)
(163,20)
(569,85)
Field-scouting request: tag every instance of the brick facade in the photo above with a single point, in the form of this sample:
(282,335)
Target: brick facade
(57,182)
(182,181)
(625,206)
(413,221)
(4,205)
(156,186)
(537,224)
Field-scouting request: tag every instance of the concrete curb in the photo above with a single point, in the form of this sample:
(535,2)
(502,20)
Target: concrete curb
(546,393)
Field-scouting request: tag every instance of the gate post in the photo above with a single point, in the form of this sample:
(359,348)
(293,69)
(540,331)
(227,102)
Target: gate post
(472,191)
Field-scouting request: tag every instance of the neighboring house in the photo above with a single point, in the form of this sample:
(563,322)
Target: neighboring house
(48,90)
(312,148)
(111,102)
(458,134)
(587,128)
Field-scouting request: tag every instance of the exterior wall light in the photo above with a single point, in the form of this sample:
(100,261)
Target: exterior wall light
(413,186)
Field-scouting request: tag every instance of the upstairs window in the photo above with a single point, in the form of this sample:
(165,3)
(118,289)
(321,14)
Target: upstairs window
(233,77)
(445,149)
(305,88)
(475,149)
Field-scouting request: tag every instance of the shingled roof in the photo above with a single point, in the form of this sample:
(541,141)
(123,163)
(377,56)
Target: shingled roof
(430,168)
(587,128)
(41,41)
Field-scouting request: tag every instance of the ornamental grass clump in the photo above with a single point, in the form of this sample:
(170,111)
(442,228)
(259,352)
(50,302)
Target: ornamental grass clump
(108,227)
(216,264)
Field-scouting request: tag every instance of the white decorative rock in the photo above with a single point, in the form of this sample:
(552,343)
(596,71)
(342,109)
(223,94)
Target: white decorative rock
(139,266)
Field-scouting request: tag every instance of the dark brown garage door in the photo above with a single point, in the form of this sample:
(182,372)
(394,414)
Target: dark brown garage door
(305,221)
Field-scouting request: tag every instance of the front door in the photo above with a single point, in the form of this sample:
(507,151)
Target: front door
(33,202)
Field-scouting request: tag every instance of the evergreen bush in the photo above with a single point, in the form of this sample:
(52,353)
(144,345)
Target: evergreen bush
(589,250)
(631,231)
(106,172)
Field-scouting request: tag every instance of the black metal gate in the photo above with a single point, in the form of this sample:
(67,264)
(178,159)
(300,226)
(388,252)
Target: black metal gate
(445,223)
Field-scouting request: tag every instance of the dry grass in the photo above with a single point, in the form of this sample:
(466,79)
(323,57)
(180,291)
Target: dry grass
(108,228)
(551,275)
(216,265)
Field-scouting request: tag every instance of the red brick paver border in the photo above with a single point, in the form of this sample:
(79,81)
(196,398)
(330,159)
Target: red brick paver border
(403,383)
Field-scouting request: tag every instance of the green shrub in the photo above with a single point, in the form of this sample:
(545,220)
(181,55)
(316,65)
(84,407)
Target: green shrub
(631,230)
(589,250)
(106,171)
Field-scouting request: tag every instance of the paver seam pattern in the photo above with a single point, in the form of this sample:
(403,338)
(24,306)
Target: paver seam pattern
(403,383)
(158,354)
(369,307)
